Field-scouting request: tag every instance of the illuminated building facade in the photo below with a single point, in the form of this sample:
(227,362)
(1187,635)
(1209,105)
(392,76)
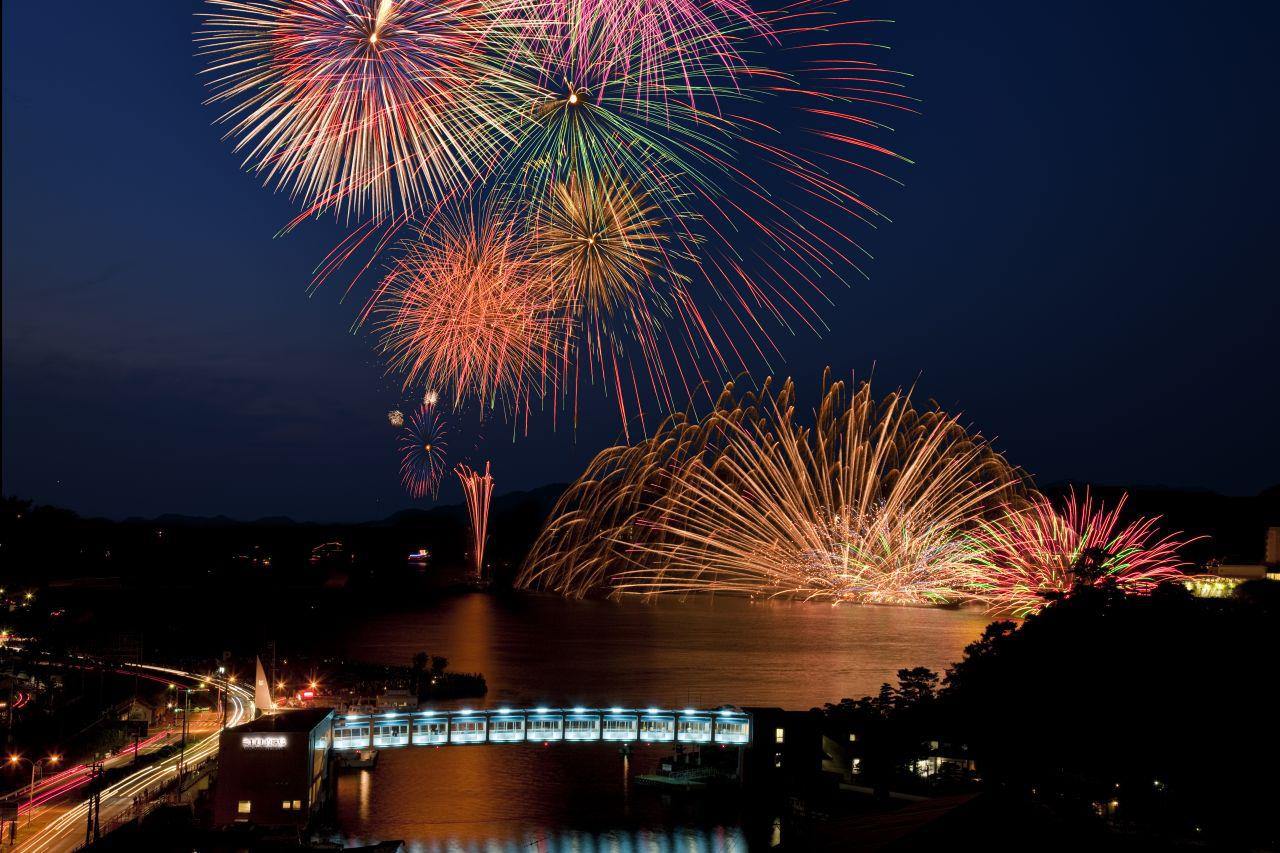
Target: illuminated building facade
(274,771)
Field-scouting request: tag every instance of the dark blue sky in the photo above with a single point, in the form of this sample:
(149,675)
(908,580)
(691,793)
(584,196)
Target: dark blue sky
(1083,260)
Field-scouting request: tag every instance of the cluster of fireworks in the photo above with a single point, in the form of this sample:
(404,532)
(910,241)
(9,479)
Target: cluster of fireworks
(594,187)
(872,501)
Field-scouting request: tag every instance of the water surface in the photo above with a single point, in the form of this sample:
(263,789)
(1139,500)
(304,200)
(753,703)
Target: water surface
(543,650)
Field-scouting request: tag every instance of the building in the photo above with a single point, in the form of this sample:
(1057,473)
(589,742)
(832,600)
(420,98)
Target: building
(274,771)
(786,748)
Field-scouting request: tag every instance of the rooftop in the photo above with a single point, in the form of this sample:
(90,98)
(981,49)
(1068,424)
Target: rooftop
(303,720)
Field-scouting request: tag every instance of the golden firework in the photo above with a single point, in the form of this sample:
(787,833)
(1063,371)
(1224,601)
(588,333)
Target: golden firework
(600,242)
(870,502)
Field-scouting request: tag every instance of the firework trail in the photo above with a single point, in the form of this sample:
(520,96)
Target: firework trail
(478,489)
(1028,557)
(466,309)
(870,503)
(366,106)
(422,453)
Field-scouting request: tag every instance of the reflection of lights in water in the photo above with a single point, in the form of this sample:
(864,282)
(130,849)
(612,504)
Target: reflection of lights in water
(626,783)
(366,788)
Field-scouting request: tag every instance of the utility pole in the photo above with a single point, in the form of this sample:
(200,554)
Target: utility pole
(91,824)
(182,750)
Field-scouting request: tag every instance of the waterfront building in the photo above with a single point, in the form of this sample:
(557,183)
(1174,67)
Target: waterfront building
(274,771)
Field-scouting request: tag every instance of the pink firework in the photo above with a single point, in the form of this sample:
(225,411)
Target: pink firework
(422,452)
(1026,558)
(653,49)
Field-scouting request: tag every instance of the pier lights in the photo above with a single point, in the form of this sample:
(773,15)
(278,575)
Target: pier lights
(504,710)
(541,709)
(690,711)
(579,709)
(615,710)
(652,711)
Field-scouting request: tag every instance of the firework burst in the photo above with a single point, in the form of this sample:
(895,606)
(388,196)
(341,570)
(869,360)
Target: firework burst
(362,105)
(422,452)
(1027,557)
(478,490)
(466,308)
(870,503)
(600,243)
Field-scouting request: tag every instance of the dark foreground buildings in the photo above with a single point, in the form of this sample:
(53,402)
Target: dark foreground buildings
(274,771)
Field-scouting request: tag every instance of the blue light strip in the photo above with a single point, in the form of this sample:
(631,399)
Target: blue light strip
(389,729)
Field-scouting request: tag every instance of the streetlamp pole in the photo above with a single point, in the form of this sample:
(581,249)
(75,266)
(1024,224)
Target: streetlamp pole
(31,789)
(222,670)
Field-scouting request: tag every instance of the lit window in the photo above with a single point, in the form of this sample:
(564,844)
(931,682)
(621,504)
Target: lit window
(286,805)
(779,735)
(852,737)
(297,805)
(777,759)
(244,806)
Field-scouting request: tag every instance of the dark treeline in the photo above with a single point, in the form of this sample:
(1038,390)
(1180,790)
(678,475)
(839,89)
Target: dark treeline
(45,543)
(176,586)
(1153,713)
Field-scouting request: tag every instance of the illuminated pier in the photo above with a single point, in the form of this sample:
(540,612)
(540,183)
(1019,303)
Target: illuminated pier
(730,726)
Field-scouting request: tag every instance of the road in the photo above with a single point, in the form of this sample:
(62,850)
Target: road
(58,817)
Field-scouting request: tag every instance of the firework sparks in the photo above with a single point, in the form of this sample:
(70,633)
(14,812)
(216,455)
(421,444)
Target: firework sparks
(430,397)
(1027,557)
(600,243)
(466,306)
(870,503)
(395,417)
(627,149)
(422,453)
(366,105)
(478,489)
(638,41)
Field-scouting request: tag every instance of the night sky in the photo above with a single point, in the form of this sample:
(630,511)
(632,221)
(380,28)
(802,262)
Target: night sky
(1083,261)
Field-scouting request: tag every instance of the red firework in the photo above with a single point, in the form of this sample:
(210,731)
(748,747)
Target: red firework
(1026,558)
(478,489)
(465,308)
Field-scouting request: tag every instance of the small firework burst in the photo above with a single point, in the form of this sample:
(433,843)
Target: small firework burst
(1028,557)
(422,453)
(430,397)
(395,417)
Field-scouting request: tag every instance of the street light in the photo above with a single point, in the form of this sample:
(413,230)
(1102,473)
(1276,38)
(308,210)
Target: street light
(16,760)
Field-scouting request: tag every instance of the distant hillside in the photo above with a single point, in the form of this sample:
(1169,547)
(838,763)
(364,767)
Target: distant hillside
(43,543)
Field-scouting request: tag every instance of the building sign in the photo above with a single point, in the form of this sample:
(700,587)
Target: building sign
(264,742)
